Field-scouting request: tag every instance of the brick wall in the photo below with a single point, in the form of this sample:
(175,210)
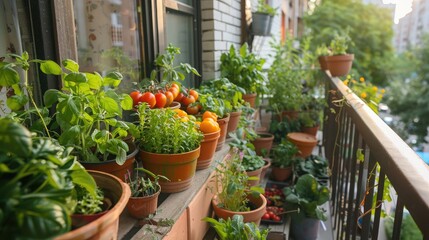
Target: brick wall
(221,27)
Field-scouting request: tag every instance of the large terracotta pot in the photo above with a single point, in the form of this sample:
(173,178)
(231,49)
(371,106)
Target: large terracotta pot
(250,98)
(179,168)
(234,119)
(339,65)
(255,173)
(281,174)
(304,142)
(255,215)
(105,227)
(322,62)
(112,167)
(223,124)
(208,148)
(264,141)
(142,207)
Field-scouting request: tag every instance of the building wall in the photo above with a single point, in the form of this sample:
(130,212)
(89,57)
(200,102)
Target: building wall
(221,27)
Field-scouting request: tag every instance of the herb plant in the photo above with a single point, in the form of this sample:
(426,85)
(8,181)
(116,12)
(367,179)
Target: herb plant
(236,229)
(141,186)
(37,178)
(224,89)
(88,112)
(284,154)
(162,131)
(232,182)
(87,203)
(263,7)
(244,69)
(340,44)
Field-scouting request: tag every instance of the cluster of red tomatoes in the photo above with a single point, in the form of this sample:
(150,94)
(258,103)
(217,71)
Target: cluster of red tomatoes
(274,196)
(273,214)
(163,98)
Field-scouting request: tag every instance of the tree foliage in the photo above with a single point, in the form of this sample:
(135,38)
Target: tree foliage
(369,26)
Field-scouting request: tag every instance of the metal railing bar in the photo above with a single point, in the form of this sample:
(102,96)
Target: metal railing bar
(396,234)
(359,189)
(380,192)
(369,193)
(351,223)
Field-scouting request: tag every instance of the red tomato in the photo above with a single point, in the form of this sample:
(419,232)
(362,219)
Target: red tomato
(161,100)
(170,98)
(194,93)
(136,97)
(174,91)
(266,216)
(192,109)
(175,85)
(179,97)
(148,98)
(188,100)
(275,218)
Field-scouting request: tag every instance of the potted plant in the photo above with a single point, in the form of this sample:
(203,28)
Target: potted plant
(262,19)
(283,159)
(309,121)
(303,141)
(236,228)
(244,69)
(233,192)
(339,62)
(231,94)
(89,207)
(212,132)
(306,196)
(88,112)
(144,193)
(169,145)
(314,165)
(322,52)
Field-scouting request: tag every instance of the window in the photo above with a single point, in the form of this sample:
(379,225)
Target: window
(107,38)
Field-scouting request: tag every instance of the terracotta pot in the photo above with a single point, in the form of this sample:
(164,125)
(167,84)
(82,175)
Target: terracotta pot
(339,65)
(208,148)
(179,168)
(250,98)
(223,124)
(287,115)
(265,168)
(255,173)
(281,174)
(322,62)
(112,167)
(304,142)
(310,130)
(142,207)
(79,220)
(264,141)
(105,227)
(234,119)
(250,216)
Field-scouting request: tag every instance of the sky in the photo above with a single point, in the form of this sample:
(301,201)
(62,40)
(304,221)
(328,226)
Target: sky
(402,7)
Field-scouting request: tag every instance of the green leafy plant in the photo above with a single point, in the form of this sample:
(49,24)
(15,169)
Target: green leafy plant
(340,44)
(213,103)
(144,186)
(307,195)
(309,118)
(314,165)
(88,112)
(250,161)
(236,229)
(281,128)
(88,203)
(232,183)
(244,69)
(283,155)
(37,178)
(224,89)
(162,131)
(263,7)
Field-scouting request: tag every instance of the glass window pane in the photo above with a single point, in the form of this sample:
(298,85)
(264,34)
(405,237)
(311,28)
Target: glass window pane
(107,38)
(189,2)
(179,32)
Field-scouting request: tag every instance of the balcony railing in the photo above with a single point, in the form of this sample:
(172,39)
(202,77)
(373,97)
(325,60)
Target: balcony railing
(364,152)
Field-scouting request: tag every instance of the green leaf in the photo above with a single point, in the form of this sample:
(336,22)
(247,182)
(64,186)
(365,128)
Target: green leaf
(70,136)
(126,102)
(50,67)
(110,105)
(71,65)
(76,77)
(16,102)
(359,155)
(50,97)
(80,176)
(94,80)
(42,217)
(8,76)
(14,138)
(112,79)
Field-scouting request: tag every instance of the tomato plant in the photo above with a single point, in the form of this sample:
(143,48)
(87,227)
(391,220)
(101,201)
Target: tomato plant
(136,97)
(179,97)
(194,93)
(188,100)
(169,96)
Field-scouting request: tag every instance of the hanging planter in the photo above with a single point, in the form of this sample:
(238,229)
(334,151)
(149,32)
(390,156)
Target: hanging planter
(339,65)
(261,24)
